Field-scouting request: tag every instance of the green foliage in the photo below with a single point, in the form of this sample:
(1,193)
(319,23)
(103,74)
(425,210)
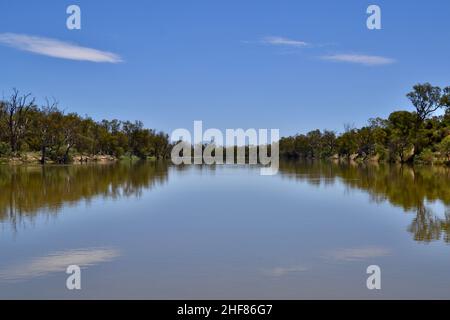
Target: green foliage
(426,157)
(5,150)
(444,147)
(347,144)
(403,137)
(401,134)
(56,135)
(382,152)
(427,99)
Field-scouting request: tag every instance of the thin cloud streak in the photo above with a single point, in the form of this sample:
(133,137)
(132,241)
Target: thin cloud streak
(57,49)
(359,59)
(280,41)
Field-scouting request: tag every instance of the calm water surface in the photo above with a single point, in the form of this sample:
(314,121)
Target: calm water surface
(151,230)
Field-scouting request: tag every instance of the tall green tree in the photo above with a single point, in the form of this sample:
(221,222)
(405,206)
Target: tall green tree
(46,128)
(401,126)
(427,99)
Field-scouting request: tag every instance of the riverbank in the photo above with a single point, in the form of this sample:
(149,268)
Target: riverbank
(35,158)
(429,159)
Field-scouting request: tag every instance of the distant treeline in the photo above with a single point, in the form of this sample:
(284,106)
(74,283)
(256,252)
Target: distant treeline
(25,126)
(404,136)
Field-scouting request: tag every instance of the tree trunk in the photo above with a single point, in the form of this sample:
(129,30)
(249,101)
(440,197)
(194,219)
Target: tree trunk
(43,153)
(13,142)
(66,155)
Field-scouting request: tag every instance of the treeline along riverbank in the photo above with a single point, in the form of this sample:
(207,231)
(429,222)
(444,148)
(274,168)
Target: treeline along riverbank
(27,129)
(44,134)
(405,136)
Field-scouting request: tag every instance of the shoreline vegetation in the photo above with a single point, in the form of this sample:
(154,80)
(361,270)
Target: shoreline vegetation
(45,134)
(32,134)
(418,137)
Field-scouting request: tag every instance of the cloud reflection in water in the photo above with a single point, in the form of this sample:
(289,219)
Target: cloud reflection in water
(58,262)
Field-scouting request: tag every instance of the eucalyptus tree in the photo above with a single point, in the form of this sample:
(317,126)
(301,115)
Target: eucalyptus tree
(16,119)
(427,99)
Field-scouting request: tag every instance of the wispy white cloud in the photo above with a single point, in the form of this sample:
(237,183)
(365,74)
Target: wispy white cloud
(58,262)
(367,60)
(280,41)
(56,48)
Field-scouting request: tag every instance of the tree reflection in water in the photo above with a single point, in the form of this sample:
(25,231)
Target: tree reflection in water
(26,191)
(426,226)
(411,188)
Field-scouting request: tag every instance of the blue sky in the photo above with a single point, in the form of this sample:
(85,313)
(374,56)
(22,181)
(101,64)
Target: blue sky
(231,64)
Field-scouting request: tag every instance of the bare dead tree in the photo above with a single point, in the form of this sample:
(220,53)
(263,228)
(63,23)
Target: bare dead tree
(17,109)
